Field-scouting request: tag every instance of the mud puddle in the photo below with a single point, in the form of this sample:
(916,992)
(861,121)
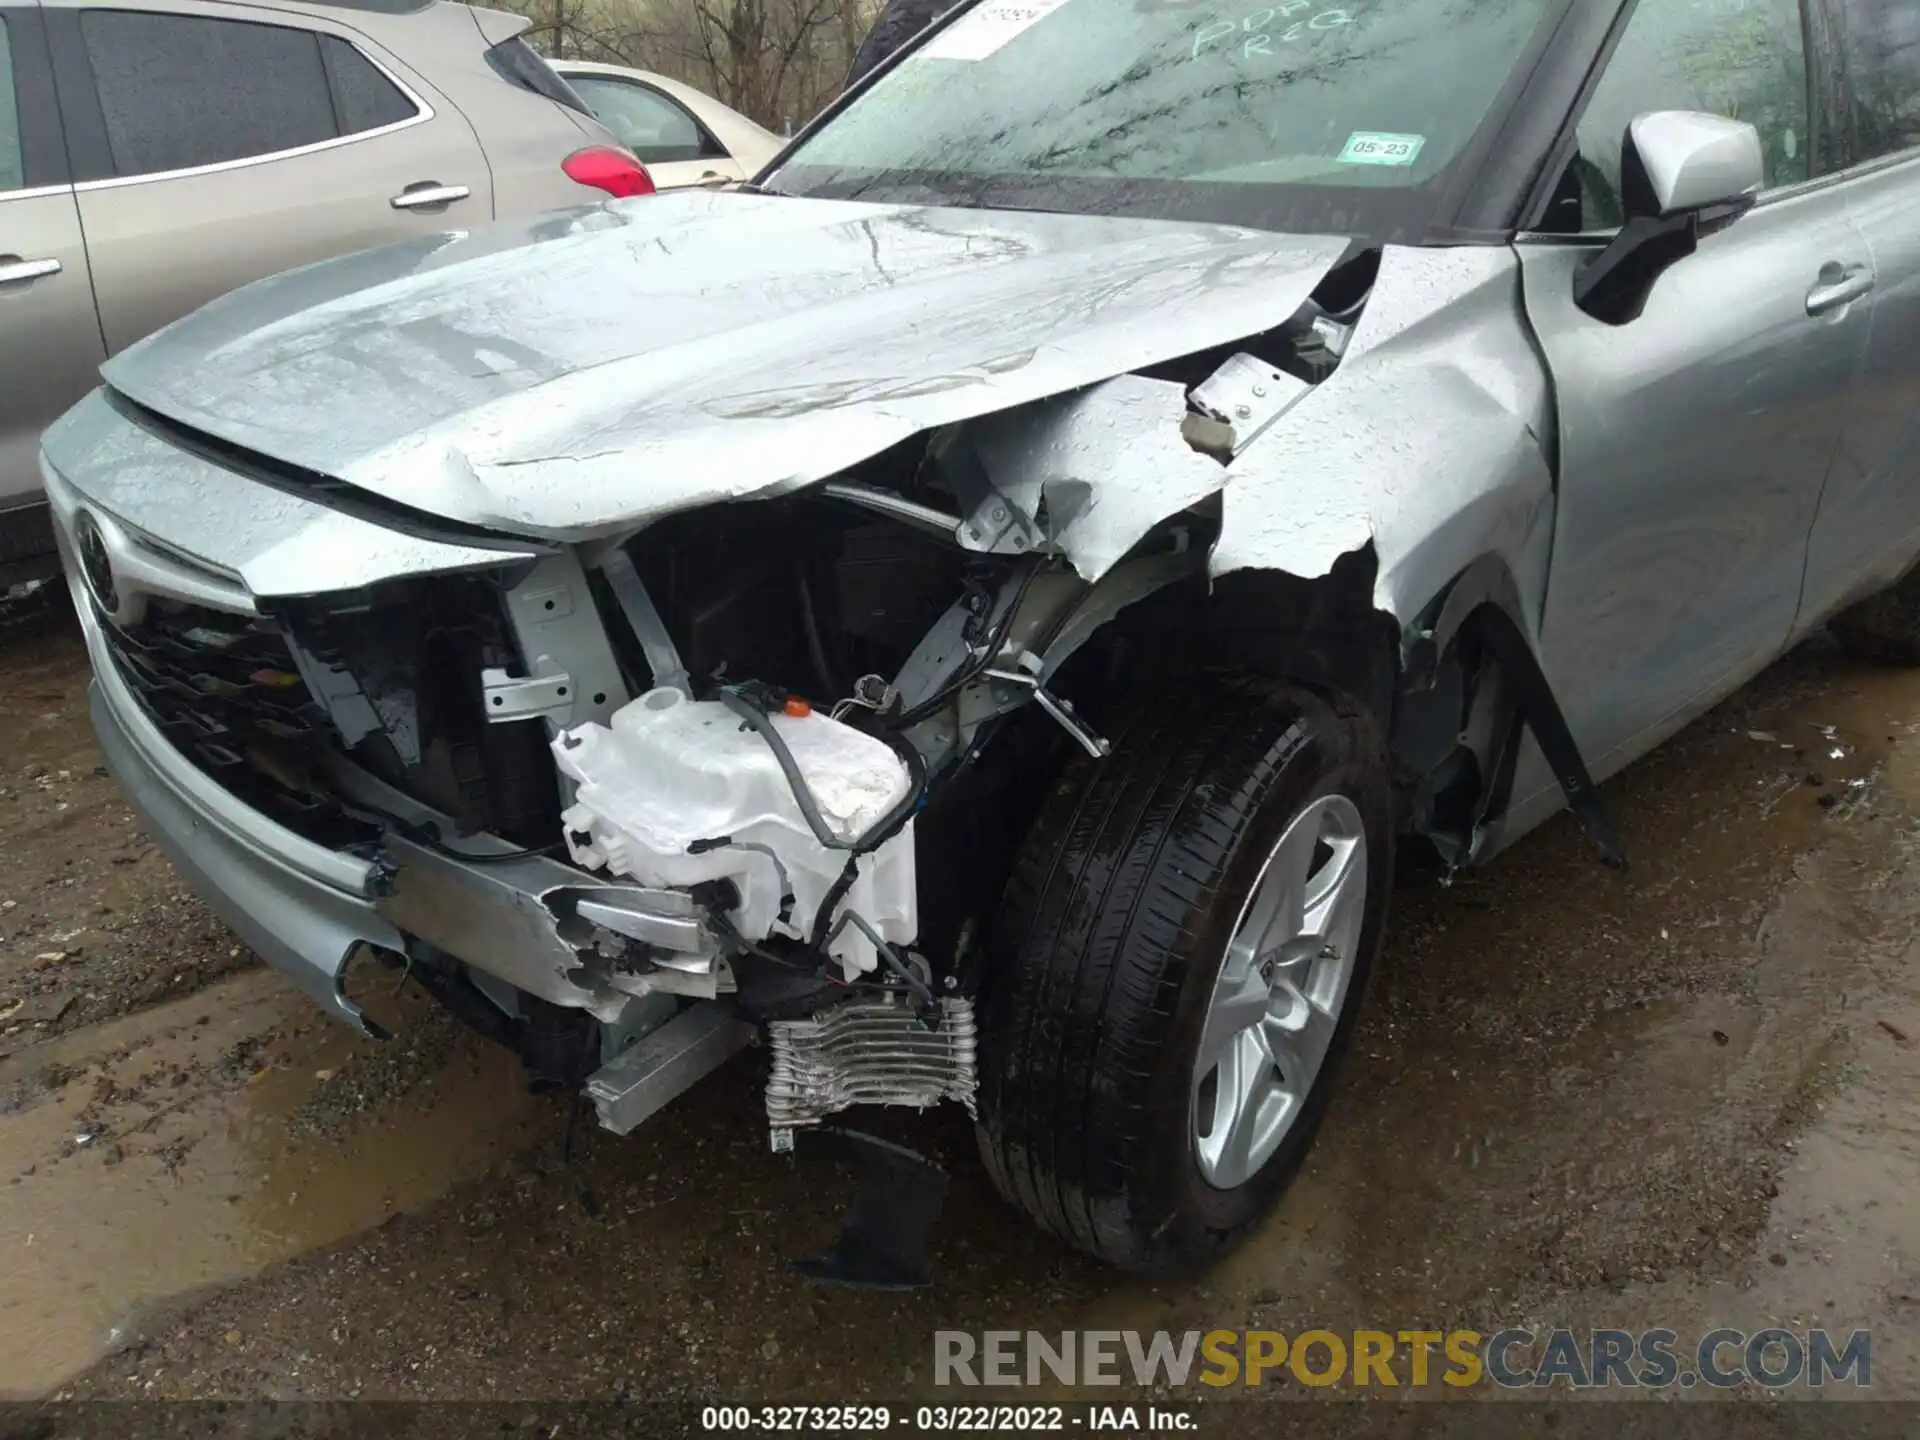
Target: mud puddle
(200,1141)
(171,1116)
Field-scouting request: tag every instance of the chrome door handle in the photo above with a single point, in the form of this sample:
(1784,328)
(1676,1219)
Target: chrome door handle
(1833,291)
(429,195)
(15,271)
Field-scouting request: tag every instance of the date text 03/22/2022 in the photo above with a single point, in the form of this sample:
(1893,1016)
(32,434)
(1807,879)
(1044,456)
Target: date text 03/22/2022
(950,1419)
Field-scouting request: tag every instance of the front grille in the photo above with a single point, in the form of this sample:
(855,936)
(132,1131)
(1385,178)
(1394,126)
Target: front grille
(227,693)
(268,708)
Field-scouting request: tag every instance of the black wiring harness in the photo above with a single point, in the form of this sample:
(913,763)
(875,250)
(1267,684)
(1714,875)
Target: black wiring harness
(755,704)
(906,719)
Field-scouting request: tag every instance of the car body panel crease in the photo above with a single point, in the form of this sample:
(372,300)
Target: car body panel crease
(583,374)
(273,542)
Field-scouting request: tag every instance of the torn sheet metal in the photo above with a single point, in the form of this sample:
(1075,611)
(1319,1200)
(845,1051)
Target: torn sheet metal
(501,380)
(585,372)
(1348,464)
(1324,469)
(1094,472)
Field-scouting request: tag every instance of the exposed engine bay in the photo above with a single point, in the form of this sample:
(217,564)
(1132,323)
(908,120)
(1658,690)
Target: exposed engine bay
(785,790)
(806,753)
(809,754)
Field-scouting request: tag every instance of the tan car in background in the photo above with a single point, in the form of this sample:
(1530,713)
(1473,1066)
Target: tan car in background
(157,153)
(682,135)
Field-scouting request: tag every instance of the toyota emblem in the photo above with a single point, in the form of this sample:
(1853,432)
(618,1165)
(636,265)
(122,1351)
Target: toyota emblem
(96,565)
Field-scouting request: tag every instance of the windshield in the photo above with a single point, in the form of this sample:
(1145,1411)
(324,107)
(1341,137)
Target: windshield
(1296,115)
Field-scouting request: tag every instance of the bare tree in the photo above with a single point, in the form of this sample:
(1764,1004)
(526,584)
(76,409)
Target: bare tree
(778,61)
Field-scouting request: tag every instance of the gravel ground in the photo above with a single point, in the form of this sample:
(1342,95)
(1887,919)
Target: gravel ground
(1685,1096)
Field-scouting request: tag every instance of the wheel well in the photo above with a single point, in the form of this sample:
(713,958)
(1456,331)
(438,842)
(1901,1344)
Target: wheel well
(1438,688)
(1451,693)
(1324,633)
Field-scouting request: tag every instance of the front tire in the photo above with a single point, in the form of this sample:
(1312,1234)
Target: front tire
(1177,965)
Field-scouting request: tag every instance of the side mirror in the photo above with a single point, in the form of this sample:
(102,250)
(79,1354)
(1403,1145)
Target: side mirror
(1683,174)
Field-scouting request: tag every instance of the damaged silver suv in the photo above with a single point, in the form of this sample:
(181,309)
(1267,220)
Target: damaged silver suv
(978,609)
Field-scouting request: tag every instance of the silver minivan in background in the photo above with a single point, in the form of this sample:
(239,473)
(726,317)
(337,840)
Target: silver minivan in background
(157,153)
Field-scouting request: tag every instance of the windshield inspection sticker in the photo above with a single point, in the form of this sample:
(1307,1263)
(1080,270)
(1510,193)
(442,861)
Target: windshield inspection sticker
(1376,147)
(986,27)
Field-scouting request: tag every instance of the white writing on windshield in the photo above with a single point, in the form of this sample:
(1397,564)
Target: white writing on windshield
(1258,31)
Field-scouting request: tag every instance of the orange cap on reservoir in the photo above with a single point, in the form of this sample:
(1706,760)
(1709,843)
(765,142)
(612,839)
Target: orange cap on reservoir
(798,708)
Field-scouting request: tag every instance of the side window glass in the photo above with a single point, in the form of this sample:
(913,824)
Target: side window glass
(179,91)
(1876,79)
(363,97)
(652,126)
(1745,59)
(13,168)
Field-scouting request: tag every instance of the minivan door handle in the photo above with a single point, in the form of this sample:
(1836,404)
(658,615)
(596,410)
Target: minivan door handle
(427,195)
(1837,286)
(15,271)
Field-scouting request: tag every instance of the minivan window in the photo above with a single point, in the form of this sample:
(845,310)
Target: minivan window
(1878,75)
(180,91)
(1341,115)
(653,127)
(364,98)
(13,167)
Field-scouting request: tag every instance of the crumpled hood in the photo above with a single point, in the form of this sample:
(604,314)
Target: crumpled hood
(587,370)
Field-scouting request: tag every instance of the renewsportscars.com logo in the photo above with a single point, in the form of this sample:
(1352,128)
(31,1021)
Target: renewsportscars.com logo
(1512,1359)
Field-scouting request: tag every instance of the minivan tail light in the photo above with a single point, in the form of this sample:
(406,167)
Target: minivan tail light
(608,169)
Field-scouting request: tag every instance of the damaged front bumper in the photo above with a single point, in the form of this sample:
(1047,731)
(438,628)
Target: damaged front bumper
(307,911)
(306,908)
(303,909)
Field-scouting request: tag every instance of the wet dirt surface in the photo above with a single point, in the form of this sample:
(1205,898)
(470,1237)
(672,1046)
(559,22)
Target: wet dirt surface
(94,922)
(1687,1096)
